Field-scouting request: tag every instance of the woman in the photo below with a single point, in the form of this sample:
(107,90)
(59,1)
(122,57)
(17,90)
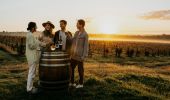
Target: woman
(31,54)
(47,35)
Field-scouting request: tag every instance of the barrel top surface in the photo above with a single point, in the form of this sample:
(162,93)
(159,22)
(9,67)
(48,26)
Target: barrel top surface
(55,52)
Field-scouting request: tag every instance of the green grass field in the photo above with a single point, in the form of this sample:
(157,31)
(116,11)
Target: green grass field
(105,79)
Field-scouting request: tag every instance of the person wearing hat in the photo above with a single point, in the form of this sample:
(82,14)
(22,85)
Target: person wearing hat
(32,55)
(47,35)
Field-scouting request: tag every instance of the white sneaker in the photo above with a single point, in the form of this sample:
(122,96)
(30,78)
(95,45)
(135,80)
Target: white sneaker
(33,91)
(72,85)
(79,86)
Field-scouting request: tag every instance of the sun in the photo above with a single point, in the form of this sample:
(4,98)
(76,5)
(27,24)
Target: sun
(107,26)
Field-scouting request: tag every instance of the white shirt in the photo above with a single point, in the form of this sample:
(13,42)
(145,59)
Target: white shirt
(62,35)
(37,35)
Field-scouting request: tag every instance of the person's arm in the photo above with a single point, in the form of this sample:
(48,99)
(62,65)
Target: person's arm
(86,47)
(69,35)
(41,44)
(54,40)
(56,37)
(40,37)
(74,35)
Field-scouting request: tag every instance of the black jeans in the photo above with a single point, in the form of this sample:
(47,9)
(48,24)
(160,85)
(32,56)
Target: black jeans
(73,65)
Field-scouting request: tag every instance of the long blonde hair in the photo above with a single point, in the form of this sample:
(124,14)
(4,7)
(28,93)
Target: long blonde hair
(48,33)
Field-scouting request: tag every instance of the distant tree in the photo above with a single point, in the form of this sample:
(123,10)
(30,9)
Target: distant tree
(130,52)
(147,53)
(90,51)
(105,51)
(118,51)
(137,52)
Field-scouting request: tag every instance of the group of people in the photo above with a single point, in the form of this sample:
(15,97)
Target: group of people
(76,46)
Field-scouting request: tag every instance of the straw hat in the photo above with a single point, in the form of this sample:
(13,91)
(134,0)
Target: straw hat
(48,22)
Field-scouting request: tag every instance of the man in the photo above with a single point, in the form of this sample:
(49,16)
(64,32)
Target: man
(78,53)
(63,36)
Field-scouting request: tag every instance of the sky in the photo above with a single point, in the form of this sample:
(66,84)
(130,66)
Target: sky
(101,16)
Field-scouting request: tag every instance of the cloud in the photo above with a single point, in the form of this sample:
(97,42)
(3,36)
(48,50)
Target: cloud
(160,15)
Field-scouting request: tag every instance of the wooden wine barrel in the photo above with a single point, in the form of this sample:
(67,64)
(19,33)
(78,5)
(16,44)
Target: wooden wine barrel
(54,70)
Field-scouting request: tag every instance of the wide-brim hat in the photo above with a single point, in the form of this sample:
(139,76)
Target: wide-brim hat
(48,22)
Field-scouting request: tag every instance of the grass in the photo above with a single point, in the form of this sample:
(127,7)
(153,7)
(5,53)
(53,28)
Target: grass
(105,79)
(111,81)
(6,58)
(139,61)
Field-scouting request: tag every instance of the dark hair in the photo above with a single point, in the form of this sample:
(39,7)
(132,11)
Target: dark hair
(31,25)
(81,22)
(64,21)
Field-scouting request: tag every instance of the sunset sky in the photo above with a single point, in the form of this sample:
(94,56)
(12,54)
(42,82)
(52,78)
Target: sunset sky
(102,16)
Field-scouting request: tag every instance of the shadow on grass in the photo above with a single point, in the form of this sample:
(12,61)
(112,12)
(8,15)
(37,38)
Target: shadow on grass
(161,85)
(107,89)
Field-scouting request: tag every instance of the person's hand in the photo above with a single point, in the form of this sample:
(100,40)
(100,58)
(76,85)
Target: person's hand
(53,46)
(43,44)
(48,41)
(69,36)
(51,42)
(82,58)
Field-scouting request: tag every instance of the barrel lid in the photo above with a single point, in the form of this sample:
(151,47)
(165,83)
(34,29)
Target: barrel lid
(59,52)
(55,55)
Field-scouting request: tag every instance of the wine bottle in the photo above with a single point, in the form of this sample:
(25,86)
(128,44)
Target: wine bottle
(60,43)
